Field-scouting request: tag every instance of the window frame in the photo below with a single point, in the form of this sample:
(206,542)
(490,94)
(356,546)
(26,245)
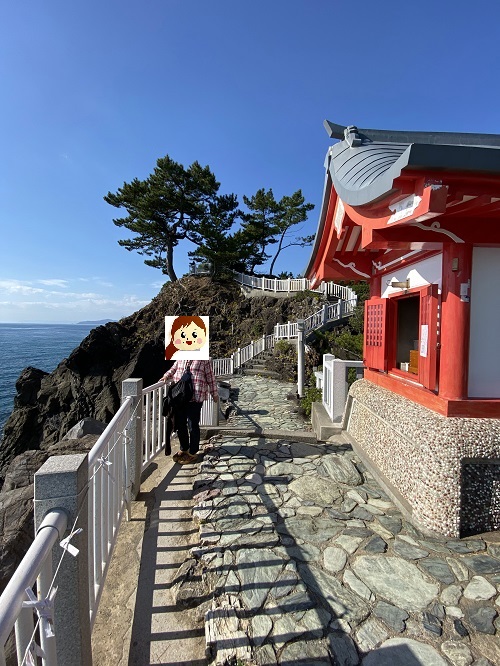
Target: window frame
(383,357)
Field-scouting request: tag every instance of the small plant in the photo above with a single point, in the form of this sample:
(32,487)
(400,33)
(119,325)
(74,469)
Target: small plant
(312,394)
(283,347)
(304,295)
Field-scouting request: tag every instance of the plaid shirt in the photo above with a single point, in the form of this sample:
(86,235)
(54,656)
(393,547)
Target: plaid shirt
(203,378)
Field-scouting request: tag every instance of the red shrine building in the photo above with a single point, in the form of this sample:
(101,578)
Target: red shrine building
(417,215)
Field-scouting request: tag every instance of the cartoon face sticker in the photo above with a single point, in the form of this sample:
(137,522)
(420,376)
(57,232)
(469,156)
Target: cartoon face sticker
(186,337)
(189,337)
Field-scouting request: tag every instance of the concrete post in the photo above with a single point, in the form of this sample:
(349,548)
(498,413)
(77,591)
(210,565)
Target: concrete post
(133,388)
(61,482)
(300,357)
(341,386)
(325,313)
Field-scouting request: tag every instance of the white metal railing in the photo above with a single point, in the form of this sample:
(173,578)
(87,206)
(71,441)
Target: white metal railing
(155,425)
(108,497)
(36,565)
(223,366)
(293,285)
(288,331)
(154,422)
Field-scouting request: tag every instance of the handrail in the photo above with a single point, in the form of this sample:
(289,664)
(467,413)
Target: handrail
(289,331)
(51,531)
(104,438)
(108,497)
(293,285)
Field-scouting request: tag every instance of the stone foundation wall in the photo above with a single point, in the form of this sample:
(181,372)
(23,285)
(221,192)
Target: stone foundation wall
(420,454)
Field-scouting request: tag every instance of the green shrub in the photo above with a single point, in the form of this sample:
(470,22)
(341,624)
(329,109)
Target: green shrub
(312,394)
(283,347)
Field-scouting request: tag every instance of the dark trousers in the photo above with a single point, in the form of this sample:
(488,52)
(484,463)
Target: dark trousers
(187,420)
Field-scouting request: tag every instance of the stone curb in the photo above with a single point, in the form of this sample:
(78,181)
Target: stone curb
(295,435)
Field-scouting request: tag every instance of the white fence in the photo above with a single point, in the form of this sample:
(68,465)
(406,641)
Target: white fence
(99,504)
(293,285)
(108,497)
(35,566)
(154,423)
(288,331)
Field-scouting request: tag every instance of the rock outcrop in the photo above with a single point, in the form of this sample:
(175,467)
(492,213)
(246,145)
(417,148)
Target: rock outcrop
(16,501)
(88,382)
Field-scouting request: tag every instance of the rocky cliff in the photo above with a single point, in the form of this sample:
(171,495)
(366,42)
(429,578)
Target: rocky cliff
(88,382)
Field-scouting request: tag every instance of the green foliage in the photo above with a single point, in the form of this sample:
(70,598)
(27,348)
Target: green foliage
(176,203)
(300,296)
(284,360)
(293,211)
(172,204)
(342,343)
(312,394)
(282,347)
(269,222)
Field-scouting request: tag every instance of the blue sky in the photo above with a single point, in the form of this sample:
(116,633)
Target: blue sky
(93,93)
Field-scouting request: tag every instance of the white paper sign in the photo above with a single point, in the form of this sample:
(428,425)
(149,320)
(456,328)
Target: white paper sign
(424,336)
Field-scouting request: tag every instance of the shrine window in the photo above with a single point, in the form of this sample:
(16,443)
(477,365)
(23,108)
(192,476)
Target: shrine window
(401,335)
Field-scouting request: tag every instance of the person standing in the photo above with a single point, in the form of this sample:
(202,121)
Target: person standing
(187,417)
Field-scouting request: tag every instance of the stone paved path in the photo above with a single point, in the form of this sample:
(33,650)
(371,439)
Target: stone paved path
(303,559)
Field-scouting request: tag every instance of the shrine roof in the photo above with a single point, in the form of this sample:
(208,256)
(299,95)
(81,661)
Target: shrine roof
(364,163)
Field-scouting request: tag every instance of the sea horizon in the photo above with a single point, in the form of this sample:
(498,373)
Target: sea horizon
(42,345)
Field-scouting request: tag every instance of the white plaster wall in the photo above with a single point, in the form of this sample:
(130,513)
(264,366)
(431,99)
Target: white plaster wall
(484,354)
(428,271)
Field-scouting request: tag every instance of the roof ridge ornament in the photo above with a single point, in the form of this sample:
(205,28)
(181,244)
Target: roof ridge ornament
(351,136)
(342,132)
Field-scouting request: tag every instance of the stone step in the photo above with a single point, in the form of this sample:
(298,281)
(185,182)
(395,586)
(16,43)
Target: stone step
(255,366)
(263,373)
(292,435)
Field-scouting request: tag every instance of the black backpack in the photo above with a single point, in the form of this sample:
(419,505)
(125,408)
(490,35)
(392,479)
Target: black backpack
(180,393)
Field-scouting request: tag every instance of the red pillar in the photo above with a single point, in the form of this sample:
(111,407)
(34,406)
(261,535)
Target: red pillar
(455,322)
(376,286)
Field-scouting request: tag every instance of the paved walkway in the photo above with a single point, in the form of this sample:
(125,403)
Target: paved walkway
(311,563)
(297,556)
(139,622)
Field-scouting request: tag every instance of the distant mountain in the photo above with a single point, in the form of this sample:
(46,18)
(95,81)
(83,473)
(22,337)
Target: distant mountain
(100,322)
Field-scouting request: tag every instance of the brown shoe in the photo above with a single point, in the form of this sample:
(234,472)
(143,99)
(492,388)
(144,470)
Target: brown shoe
(188,459)
(177,456)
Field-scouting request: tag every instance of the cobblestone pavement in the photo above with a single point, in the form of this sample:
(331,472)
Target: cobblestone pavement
(262,402)
(303,559)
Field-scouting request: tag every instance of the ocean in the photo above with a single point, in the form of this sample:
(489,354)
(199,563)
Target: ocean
(42,346)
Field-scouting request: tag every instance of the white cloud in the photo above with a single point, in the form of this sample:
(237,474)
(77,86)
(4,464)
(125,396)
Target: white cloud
(98,280)
(19,287)
(40,300)
(54,283)
(93,307)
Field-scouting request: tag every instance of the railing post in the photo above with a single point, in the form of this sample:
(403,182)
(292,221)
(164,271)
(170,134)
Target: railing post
(325,313)
(300,357)
(133,388)
(61,482)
